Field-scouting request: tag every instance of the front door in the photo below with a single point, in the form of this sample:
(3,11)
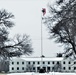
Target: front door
(44,69)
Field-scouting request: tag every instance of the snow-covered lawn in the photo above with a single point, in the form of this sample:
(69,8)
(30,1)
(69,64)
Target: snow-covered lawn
(2,74)
(51,73)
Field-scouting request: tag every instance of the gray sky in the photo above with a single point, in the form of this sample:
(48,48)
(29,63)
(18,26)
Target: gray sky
(28,20)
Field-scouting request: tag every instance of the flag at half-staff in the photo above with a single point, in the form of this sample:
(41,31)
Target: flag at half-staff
(43,11)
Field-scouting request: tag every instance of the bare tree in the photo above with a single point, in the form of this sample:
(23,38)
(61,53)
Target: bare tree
(9,47)
(62,25)
(59,55)
(4,66)
(58,67)
(30,67)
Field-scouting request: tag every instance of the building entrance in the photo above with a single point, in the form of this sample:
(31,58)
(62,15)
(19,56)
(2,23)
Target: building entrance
(44,69)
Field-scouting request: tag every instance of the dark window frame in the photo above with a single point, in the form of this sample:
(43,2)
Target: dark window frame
(69,62)
(63,62)
(74,68)
(17,68)
(33,68)
(53,62)
(74,62)
(38,68)
(48,68)
(64,68)
(38,62)
(22,68)
(17,63)
(12,62)
(48,62)
(33,62)
(53,68)
(43,62)
(23,62)
(69,68)
(29,63)
(12,68)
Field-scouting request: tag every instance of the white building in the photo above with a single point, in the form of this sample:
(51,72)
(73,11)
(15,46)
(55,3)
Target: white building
(49,64)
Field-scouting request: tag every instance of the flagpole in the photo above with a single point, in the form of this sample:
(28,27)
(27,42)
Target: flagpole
(42,14)
(41,40)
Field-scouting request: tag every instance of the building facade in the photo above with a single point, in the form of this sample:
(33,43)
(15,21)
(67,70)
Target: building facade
(48,64)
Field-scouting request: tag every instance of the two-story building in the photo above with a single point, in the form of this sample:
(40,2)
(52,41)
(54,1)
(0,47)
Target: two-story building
(34,64)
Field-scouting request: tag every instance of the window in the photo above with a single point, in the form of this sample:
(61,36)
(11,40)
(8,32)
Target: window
(17,62)
(38,62)
(57,62)
(22,68)
(75,62)
(33,62)
(69,62)
(69,68)
(12,68)
(48,62)
(28,62)
(64,62)
(53,62)
(38,68)
(64,68)
(33,68)
(43,62)
(12,62)
(17,68)
(22,62)
(52,68)
(74,68)
(48,68)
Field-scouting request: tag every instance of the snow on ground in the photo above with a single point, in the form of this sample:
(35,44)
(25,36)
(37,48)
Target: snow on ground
(51,73)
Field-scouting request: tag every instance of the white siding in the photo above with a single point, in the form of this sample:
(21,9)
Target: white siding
(15,65)
(34,66)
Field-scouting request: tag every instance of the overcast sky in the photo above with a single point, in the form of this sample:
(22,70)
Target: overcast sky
(28,20)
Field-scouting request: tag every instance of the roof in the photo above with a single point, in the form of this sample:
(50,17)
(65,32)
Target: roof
(39,59)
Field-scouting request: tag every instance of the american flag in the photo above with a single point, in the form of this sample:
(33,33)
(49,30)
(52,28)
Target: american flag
(43,11)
